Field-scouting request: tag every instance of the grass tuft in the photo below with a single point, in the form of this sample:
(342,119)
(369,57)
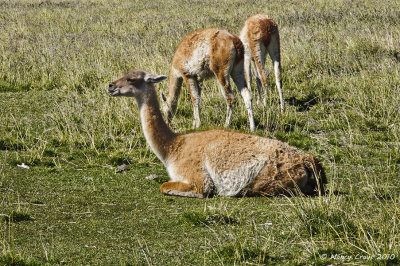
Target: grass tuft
(236,253)
(201,219)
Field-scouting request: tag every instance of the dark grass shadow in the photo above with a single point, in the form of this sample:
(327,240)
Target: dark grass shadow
(17,216)
(336,193)
(385,197)
(395,54)
(259,125)
(193,218)
(12,145)
(303,104)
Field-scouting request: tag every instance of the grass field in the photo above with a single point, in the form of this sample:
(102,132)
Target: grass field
(341,83)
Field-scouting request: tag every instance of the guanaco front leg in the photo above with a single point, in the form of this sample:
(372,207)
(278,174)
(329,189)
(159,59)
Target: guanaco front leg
(180,189)
(261,93)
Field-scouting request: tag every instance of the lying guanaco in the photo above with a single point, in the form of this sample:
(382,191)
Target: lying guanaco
(218,161)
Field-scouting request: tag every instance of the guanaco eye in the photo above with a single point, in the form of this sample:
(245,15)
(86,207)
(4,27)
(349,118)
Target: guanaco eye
(133,80)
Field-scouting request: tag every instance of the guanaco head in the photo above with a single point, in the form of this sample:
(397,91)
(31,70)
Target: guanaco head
(133,83)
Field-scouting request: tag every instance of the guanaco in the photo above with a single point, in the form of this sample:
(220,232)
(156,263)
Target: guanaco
(260,35)
(203,54)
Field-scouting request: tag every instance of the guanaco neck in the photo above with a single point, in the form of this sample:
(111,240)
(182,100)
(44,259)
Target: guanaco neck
(158,135)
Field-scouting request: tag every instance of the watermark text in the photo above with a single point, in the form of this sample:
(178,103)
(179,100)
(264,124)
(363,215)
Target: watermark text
(347,257)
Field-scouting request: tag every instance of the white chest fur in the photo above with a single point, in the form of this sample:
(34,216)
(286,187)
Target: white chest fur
(198,63)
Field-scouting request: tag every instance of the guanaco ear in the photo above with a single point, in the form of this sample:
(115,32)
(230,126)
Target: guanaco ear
(150,78)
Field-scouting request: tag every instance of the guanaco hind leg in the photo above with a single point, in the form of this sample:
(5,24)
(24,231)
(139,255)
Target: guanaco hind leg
(259,50)
(195,94)
(275,54)
(225,86)
(240,82)
(170,104)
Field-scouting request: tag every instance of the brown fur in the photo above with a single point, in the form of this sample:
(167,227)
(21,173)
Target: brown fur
(239,48)
(260,28)
(288,169)
(221,46)
(211,162)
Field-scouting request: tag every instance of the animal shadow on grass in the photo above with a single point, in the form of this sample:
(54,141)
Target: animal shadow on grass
(304,104)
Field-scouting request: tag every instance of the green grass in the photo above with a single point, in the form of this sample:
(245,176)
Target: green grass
(341,84)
